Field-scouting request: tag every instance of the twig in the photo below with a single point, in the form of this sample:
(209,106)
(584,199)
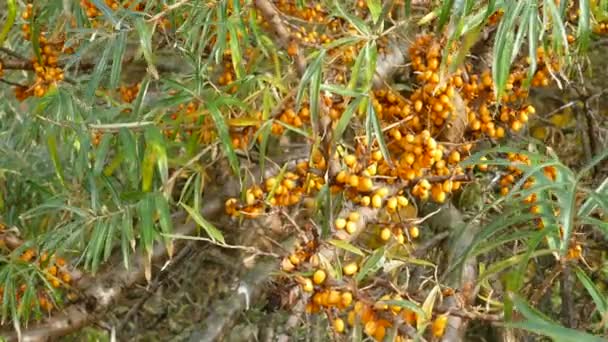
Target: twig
(12,53)
(250,249)
(430,243)
(566,291)
(169,185)
(116,127)
(12,83)
(167,10)
(271,14)
(17,65)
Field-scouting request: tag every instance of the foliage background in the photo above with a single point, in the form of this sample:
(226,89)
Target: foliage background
(100,174)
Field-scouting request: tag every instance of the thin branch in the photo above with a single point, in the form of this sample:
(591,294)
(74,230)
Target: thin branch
(249,249)
(116,127)
(12,53)
(167,10)
(12,83)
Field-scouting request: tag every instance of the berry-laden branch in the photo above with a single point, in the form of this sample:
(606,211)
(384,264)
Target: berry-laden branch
(271,14)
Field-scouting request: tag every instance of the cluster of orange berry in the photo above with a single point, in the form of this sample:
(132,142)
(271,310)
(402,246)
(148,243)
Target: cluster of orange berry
(432,101)
(46,68)
(551,173)
(285,190)
(56,273)
(129,93)
(93,12)
(375,316)
(601,27)
(289,117)
(311,14)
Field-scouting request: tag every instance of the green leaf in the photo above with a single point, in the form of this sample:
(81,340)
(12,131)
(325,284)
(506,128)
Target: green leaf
(164,219)
(265,129)
(139,100)
(371,264)
(371,56)
(156,141)
(539,324)
(145,33)
(371,112)
(107,12)
(224,135)
(146,214)
(406,304)
(102,151)
(98,72)
(127,241)
(590,203)
(375,9)
(9,20)
(503,46)
(95,247)
(584,26)
(356,69)
(560,38)
(340,90)
(147,169)
(118,52)
(444,14)
(235,50)
(598,297)
(51,143)
(346,246)
(209,228)
(353,20)
(344,121)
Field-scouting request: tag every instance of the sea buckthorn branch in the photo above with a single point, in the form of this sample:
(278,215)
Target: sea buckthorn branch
(271,14)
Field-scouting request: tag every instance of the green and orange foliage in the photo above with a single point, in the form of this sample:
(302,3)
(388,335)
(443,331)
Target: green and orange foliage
(375,153)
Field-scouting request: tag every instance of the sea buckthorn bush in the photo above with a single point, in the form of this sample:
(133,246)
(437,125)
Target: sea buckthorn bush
(413,165)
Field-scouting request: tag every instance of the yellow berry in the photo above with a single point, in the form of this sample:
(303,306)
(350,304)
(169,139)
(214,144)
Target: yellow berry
(339,325)
(340,223)
(350,269)
(391,204)
(319,277)
(365,201)
(350,160)
(385,234)
(307,285)
(403,201)
(353,181)
(376,201)
(414,232)
(347,299)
